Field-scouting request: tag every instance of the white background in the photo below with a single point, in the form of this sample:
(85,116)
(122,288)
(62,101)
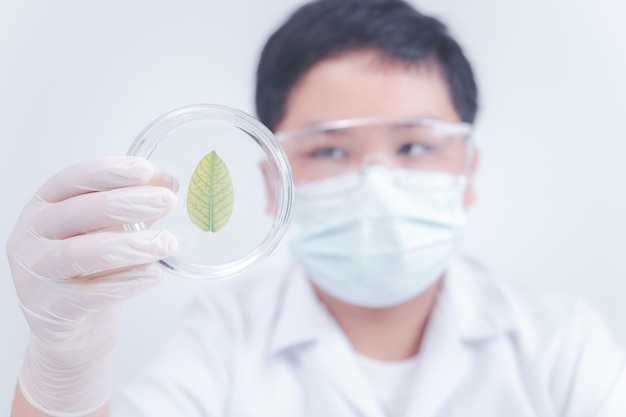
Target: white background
(80,79)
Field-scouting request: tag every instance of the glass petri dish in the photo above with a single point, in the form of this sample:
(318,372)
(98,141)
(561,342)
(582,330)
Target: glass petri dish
(235,188)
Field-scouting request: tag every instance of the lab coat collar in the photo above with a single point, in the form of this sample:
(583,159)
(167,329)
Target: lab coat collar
(481,306)
(470,307)
(305,322)
(298,320)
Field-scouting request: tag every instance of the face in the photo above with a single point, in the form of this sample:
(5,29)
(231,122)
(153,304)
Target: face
(361,85)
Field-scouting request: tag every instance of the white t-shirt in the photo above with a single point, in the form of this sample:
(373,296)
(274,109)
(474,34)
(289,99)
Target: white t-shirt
(266,346)
(391,382)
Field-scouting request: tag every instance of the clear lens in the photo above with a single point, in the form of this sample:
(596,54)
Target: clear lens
(341,147)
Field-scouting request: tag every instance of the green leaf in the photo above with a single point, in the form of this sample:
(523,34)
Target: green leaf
(210,195)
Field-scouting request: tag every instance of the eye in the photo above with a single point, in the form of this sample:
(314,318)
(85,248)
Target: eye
(327,152)
(413,149)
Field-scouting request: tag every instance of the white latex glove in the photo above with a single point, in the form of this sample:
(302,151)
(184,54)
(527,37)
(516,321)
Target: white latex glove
(73,264)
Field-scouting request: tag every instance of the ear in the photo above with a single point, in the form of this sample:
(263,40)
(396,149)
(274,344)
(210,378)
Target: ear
(470,190)
(270,188)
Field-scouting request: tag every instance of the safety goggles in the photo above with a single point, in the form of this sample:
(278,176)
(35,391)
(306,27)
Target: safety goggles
(347,146)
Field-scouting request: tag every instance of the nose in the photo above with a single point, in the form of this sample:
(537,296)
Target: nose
(375,159)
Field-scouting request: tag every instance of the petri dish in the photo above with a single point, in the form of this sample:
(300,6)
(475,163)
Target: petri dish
(235,188)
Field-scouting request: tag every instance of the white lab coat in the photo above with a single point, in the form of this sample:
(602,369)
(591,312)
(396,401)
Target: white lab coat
(267,347)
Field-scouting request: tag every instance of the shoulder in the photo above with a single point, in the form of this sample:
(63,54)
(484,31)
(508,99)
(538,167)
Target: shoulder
(559,342)
(532,314)
(557,329)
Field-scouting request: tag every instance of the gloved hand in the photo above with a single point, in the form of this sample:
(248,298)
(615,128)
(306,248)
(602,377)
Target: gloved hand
(73,264)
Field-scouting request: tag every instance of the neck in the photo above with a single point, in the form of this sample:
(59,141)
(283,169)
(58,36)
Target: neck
(388,334)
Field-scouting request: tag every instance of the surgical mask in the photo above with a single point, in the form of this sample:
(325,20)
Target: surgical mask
(385,241)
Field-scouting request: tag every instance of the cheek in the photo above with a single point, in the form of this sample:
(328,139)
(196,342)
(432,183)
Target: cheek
(301,174)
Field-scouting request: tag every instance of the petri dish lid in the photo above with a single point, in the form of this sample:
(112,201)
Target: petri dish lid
(235,188)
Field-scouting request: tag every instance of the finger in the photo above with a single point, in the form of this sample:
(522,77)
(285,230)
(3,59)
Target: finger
(97,291)
(163,179)
(92,293)
(99,175)
(99,252)
(103,210)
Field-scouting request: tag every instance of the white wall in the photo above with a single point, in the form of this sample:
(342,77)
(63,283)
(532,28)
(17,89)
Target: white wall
(79,79)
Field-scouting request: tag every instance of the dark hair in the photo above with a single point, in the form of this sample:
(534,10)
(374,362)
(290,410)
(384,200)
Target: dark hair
(325,28)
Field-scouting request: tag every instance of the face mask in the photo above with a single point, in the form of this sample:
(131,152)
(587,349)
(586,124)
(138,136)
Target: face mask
(378,238)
